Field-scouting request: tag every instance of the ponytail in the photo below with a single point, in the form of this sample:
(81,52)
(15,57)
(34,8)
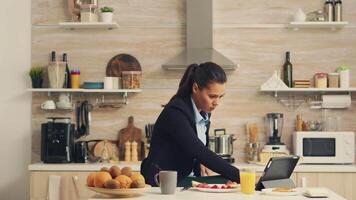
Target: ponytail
(202,75)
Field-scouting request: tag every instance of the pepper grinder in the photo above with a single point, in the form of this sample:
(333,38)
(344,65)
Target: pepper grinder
(128,151)
(134,153)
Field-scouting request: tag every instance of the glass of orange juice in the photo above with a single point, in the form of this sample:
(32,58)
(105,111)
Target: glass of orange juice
(247,180)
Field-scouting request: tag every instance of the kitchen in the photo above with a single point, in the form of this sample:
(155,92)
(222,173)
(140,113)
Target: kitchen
(253,35)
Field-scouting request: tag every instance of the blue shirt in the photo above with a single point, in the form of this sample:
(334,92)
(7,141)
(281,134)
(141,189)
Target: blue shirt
(200,123)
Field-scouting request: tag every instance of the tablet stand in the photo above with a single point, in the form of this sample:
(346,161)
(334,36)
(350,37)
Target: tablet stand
(284,183)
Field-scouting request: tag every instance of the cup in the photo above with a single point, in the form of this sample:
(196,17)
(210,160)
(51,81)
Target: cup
(48,105)
(115,83)
(108,83)
(167,181)
(247,180)
(64,98)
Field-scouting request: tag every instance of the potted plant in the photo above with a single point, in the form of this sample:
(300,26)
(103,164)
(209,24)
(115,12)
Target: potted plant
(36,74)
(106,14)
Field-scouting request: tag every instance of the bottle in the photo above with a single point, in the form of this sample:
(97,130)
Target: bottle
(67,82)
(338,11)
(299,123)
(53,56)
(328,10)
(134,153)
(287,74)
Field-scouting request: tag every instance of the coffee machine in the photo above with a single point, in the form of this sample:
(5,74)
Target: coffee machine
(57,140)
(274,126)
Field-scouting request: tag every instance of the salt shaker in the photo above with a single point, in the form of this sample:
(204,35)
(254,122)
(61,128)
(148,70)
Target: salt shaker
(128,151)
(134,153)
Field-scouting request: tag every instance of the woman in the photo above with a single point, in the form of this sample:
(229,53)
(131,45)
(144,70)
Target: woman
(180,136)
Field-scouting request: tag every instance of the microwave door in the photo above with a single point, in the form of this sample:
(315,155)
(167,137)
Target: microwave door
(319,147)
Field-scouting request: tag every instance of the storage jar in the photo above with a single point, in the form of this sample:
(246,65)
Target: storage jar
(131,79)
(321,80)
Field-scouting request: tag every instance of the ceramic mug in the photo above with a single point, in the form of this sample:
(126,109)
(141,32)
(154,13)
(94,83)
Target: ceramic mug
(167,181)
(108,83)
(64,98)
(48,105)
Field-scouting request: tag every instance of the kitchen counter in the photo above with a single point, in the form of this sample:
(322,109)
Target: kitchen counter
(154,193)
(136,167)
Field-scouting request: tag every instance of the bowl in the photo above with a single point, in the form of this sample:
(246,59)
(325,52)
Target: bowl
(120,192)
(93,85)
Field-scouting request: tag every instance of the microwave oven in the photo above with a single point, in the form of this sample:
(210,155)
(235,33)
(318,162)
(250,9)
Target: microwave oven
(325,147)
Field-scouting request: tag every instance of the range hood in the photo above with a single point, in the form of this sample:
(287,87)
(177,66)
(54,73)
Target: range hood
(199,37)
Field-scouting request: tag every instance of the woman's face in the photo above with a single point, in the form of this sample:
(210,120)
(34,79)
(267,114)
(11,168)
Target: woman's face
(206,99)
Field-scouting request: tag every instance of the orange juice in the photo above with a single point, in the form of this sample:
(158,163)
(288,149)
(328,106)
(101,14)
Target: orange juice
(247,181)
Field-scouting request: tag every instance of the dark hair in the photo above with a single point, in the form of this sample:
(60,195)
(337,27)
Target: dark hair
(202,75)
(122,62)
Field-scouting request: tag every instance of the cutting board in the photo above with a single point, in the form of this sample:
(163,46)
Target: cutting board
(120,63)
(130,133)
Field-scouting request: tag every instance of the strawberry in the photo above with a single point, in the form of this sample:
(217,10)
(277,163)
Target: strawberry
(214,187)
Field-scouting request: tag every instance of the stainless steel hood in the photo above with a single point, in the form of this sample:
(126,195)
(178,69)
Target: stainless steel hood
(199,35)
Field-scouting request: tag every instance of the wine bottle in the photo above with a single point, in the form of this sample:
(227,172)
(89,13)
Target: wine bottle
(67,81)
(288,71)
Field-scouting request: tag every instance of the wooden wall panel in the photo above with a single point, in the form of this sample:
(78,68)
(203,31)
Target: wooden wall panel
(152,31)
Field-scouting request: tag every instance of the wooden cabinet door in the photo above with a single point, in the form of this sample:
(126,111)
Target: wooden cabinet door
(341,183)
(72,185)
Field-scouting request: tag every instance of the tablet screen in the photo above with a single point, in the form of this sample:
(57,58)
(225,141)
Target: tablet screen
(278,168)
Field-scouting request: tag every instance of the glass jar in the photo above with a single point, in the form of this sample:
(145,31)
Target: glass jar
(89,13)
(333,80)
(131,79)
(321,80)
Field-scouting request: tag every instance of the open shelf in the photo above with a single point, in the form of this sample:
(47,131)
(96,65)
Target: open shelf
(84,90)
(310,90)
(331,25)
(88,25)
(124,92)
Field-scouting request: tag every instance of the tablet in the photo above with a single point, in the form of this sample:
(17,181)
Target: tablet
(277,171)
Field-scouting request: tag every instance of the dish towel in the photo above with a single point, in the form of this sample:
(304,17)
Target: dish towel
(54,183)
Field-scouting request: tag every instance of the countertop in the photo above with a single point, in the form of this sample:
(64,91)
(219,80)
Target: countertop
(136,167)
(154,193)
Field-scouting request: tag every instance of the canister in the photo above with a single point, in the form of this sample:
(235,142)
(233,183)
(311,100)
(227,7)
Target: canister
(321,80)
(333,80)
(344,72)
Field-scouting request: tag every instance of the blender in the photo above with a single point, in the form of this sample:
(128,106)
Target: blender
(274,146)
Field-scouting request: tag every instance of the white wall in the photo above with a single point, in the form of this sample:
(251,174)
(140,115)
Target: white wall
(15,132)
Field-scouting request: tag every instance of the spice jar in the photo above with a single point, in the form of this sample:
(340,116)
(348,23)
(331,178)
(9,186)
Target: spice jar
(333,80)
(131,79)
(321,80)
(75,78)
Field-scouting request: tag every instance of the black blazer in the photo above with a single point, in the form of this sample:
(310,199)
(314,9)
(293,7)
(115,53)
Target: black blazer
(176,146)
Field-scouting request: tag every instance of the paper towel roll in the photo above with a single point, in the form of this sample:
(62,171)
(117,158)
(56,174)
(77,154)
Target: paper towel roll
(336,101)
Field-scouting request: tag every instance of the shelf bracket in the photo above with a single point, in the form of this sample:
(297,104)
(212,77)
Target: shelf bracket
(275,94)
(49,94)
(124,95)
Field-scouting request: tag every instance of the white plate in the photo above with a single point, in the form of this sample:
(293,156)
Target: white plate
(213,190)
(270,191)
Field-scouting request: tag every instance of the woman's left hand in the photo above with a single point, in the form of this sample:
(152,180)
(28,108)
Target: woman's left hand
(204,171)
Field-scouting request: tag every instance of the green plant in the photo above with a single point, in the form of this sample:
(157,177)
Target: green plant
(36,72)
(106,9)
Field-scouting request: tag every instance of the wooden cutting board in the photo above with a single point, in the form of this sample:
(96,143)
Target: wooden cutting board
(130,133)
(120,63)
